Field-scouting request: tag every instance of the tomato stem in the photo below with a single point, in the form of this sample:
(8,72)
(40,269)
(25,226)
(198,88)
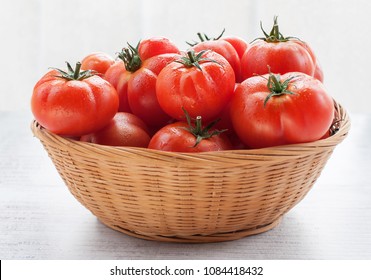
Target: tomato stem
(194,60)
(198,130)
(77,71)
(277,87)
(203,37)
(75,74)
(191,56)
(274,35)
(131,58)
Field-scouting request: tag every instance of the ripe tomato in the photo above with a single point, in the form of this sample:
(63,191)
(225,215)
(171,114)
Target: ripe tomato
(200,83)
(113,75)
(273,110)
(141,90)
(225,47)
(98,62)
(155,46)
(238,43)
(277,54)
(73,103)
(135,78)
(125,129)
(189,138)
(318,73)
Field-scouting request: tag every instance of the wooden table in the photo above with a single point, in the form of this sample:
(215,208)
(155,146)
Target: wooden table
(40,219)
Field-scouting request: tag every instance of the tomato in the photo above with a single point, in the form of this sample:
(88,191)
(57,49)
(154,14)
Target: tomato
(97,61)
(155,46)
(273,110)
(73,103)
(239,44)
(225,123)
(113,75)
(277,54)
(225,48)
(200,83)
(189,138)
(141,90)
(318,73)
(135,78)
(125,129)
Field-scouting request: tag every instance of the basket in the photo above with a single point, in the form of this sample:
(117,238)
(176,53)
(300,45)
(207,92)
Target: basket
(190,197)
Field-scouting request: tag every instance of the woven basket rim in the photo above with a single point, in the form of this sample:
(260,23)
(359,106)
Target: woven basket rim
(341,116)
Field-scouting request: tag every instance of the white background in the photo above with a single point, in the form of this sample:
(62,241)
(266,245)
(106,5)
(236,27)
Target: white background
(37,34)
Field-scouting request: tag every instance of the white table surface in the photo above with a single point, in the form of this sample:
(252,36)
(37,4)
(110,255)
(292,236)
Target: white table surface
(40,219)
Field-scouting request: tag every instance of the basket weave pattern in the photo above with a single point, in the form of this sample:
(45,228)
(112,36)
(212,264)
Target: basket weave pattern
(180,197)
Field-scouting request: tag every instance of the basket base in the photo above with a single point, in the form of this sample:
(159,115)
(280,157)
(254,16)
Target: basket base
(218,237)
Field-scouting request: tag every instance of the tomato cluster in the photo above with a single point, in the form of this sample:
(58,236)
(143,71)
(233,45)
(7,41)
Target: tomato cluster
(250,95)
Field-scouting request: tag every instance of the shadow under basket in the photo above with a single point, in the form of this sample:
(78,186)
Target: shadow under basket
(190,197)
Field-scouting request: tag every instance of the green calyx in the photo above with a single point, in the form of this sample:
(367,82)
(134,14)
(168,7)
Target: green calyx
(194,60)
(203,37)
(75,74)
(275,35)
(277,87)
(131,58)
(198,130)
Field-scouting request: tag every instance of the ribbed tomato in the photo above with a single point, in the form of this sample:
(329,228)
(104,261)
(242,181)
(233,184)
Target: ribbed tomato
(134,76)
(277,54)
(201,83)
(188,137)
(73,103)
(273,110)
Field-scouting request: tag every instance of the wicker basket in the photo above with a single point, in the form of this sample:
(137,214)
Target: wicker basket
(180,197)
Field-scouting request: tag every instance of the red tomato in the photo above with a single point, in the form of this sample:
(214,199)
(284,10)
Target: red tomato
(225,48)
(273,110)
(318,73)
(225,123)
(141,90)
(238,43)
(98,62)
(125,129)
(187,138)
(113,75)
(155,46)
(200,83)
(135,78)
(73,103)
(277,54)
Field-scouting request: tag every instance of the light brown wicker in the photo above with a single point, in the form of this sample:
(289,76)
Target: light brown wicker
(179,197)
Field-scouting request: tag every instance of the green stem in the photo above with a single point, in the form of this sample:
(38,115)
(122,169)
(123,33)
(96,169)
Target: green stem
(204,37)
(131,58)
(191,56)
(200,37)
(194,60)
(277,87)
(275,35)
(198,128)
(77,71)
(75,74)
(275,32)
